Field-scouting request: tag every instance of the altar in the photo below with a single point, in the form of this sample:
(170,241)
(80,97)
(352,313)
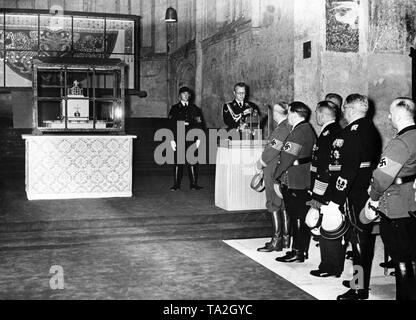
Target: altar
(235,167)
(78,166)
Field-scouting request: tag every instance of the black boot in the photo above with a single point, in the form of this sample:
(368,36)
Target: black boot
(298,253)
(193,177)
(276,243)
(405,281)
(286,229)
(177,177)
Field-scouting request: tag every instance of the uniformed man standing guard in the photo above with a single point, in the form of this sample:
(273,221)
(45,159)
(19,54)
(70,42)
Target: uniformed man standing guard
(237,112)
(354,156)
(293,172)
(184,113)
(392,193)
(332,251)
(268,162)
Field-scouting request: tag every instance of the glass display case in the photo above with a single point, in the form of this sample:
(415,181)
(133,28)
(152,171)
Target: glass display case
(78,95)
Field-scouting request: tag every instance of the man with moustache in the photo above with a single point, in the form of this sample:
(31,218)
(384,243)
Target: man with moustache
(293,176)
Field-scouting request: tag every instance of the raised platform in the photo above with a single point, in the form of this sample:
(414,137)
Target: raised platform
(153,213)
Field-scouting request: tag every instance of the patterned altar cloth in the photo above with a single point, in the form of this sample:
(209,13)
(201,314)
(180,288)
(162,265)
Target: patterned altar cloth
(65,167)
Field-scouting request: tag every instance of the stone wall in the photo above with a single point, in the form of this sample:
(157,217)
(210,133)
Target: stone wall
(153,63)
(378,65)
(260,56)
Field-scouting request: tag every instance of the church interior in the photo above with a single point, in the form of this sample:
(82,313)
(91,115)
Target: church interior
(134,238)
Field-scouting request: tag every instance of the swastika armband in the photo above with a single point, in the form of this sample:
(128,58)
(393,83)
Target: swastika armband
(292,148)
(276,144)
(389,166)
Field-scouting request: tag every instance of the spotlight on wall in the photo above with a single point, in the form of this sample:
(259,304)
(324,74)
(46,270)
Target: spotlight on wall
(171,15)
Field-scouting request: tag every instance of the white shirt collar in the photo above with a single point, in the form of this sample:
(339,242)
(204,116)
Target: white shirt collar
(326,124)
(281,121)
(297,122)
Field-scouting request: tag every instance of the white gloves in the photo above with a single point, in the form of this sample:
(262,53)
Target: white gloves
(173,144)
(259,165)
(312,218)
(277,190)
(369,211)
(329,208)
(331,216)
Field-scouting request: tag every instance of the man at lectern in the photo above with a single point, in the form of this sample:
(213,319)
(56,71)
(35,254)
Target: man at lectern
(268,162)
(237,113)
(186,114)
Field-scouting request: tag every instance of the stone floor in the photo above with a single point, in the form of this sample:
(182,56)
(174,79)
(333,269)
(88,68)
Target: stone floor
(168,264)
(190,270)
(176,268)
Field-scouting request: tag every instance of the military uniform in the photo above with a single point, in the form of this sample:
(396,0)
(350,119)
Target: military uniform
(354,155)
(392,186)
(234,115)
(332,251)
(190,117)
(269,159)
(293,172)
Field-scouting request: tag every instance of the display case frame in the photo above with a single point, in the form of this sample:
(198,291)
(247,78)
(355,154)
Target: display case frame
(21,41)
(54,95)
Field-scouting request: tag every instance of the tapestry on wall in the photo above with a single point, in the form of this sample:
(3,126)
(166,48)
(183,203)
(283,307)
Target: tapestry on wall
(24,37)
(342,25)
(392,26)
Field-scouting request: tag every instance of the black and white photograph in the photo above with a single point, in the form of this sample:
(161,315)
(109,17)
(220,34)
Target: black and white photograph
(207,156)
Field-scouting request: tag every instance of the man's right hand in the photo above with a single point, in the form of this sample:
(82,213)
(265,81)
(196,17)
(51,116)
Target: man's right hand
(173,145)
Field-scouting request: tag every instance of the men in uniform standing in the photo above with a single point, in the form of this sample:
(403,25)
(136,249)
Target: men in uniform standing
(268,162)
(293,172)
(392,193)
(236,113)
(332,251)
(354,155)
(186,114)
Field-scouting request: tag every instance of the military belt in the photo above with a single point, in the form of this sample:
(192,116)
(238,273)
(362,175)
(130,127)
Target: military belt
(403,180)
(298,162)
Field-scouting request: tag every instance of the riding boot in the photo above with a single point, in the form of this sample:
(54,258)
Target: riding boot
(193,177)
(177,177)
(286,229)
(298,252)
(276,241)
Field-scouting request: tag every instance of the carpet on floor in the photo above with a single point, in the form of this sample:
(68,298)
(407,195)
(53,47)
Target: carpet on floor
(382,287)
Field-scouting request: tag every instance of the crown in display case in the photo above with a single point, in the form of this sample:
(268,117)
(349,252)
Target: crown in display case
(76,90)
